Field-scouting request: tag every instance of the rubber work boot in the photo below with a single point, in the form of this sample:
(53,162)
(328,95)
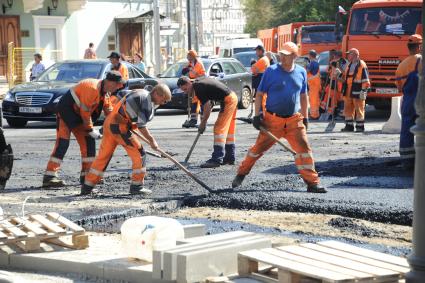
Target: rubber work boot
(359,129)
(190,123)
(316,189)
(348,128)
(52,182)
(139,190)
(210,163)
(86,190)
(228,162)
(238,181)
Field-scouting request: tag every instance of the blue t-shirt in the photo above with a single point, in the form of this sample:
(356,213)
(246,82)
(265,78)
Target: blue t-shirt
(313,67)
(283,89)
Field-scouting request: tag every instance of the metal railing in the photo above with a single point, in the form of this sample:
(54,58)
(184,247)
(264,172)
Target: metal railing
(20,60)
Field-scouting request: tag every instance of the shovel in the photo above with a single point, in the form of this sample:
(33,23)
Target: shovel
(163,153)
(325,116)
(192,148)
(330,127)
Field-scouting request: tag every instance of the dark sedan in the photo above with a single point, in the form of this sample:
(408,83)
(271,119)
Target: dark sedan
(228,70)
(36,100)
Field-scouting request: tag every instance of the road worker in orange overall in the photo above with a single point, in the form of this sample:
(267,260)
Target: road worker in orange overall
(333,85)
(356,85)
(285,116)
(78,109)
(116,65)
(132,112)
(259,67)
(207,90)
(313,77)
(195,69)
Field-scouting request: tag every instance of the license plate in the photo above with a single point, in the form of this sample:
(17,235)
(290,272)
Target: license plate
(30,109)
(387,90)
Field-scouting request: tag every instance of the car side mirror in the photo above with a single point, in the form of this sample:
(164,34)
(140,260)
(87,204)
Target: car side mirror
(221,75)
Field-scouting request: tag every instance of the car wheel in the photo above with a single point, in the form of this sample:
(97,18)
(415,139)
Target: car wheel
(245,98)
(17,123)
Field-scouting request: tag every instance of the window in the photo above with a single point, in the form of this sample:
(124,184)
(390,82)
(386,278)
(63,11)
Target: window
(238,67)
(393,20)
(228,68)
(71,72)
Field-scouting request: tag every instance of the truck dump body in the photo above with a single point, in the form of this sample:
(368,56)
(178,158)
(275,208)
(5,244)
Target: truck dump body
(269,39)
(379,30)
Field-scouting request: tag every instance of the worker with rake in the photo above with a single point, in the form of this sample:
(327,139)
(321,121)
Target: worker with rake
(285,116)
(130,115)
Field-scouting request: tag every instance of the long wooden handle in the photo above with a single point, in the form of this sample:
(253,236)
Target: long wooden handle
(192,148)
(277,140)
(163,153)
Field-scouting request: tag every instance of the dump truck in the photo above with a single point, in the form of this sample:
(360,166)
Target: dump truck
(379,29)
(319,36)
(269,39)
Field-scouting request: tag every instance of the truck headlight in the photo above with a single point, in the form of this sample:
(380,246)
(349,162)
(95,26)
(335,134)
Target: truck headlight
(57,99)
(9,97)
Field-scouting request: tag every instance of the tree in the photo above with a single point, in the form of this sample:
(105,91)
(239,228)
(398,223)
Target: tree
(272,13)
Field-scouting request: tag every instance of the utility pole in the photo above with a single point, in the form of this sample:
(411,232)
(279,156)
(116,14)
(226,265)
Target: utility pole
(189,30)
(417,257)
(157,37)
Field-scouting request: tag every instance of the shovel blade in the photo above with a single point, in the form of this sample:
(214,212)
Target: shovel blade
(330,126)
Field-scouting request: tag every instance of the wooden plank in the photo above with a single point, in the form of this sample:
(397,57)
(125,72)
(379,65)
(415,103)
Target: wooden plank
(29,226)
(246,266)
(295,267)
(288,277)
(11,228)
(359,258)
(47,224)
(347,263)
(3,236)
(66,222)
(366,253)
(319,264)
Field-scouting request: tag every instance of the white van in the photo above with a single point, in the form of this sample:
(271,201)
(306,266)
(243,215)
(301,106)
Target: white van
(233,46)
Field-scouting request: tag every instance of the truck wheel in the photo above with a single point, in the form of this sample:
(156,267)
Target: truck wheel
(245,98)
(17,123)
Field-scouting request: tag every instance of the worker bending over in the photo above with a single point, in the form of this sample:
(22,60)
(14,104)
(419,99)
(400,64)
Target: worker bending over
(194,69)
(78,109)
(207,90)
(132,113)
(407,81)
(285,116)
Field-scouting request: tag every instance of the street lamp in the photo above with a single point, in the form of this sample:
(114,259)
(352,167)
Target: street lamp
(54,7)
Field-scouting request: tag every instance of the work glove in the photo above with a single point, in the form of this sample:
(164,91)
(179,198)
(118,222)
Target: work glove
(305,122)
(95,134)
(257,122)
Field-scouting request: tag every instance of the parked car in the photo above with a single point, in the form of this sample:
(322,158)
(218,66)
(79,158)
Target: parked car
(36,100)
(246,57)
(228,70)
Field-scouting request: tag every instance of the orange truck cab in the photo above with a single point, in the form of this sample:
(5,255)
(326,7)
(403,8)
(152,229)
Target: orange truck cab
(319,36)
(269,39)
(379,29)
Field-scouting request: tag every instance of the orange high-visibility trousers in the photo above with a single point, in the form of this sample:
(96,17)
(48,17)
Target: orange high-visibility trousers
(195,109)
(63,134)
(314,95)
(224,130)
(115,134)
(293,130)
(354,108)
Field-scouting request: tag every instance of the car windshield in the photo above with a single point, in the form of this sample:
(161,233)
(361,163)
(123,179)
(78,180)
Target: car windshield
(72,72)
(175,70)
(318,36)
(242,49)
(246,58)
(396,20)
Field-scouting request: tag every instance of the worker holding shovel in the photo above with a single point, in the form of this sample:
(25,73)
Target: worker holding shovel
(130,115)
(285,116)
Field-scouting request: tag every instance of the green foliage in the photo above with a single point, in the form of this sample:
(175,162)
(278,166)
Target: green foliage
(262,14)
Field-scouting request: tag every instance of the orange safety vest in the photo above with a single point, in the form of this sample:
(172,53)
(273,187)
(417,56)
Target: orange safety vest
(260,66)
(88,99)
(197,70)
(122,69)
(356,82)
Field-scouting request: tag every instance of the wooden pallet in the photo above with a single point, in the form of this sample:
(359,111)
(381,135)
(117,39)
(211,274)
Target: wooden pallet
(328,261)
(28,232)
